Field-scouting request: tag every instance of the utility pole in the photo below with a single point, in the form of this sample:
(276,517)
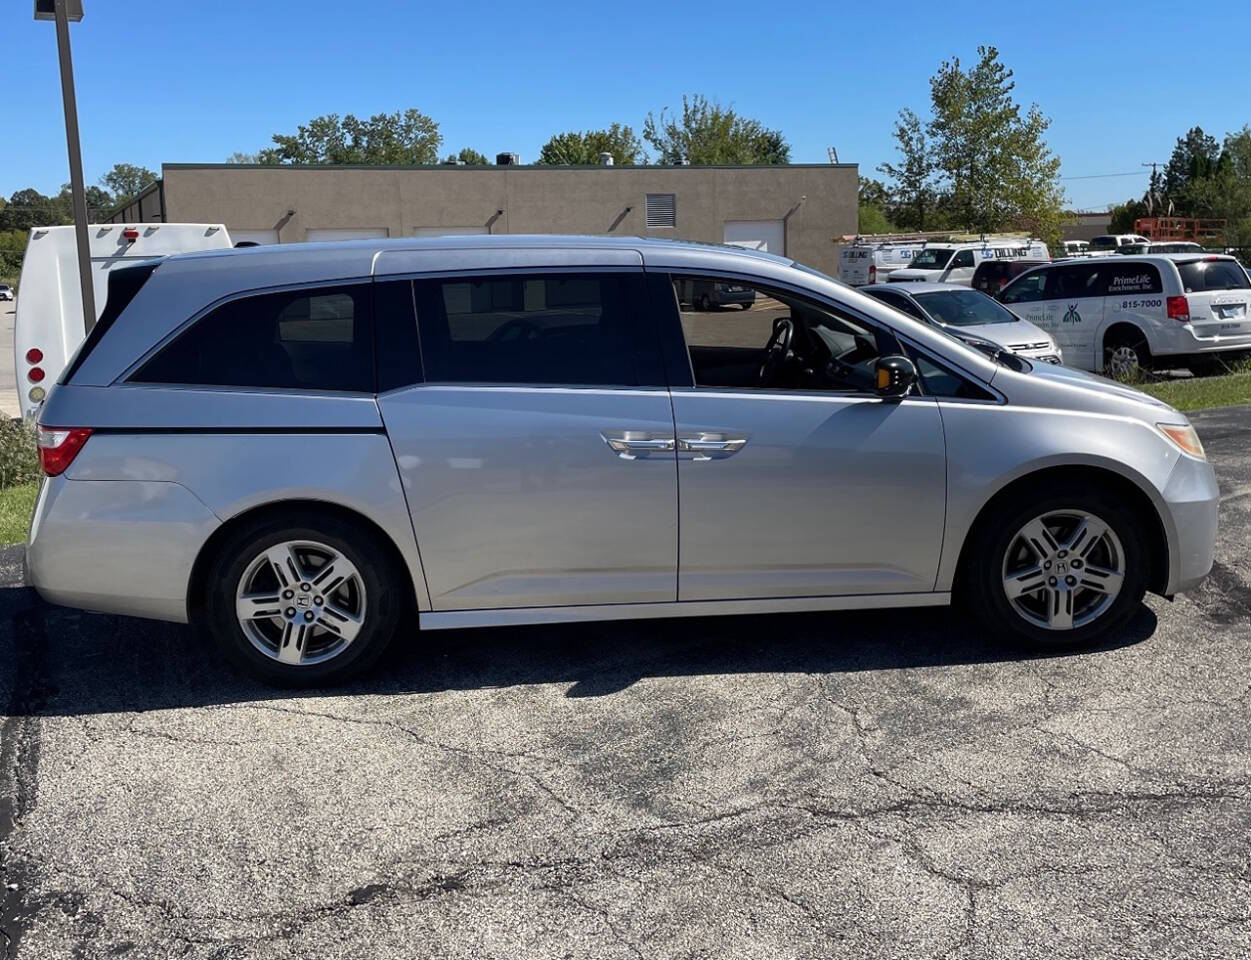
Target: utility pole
(62,11)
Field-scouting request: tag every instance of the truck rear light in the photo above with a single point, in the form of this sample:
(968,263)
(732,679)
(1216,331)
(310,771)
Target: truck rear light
(58,446)
(131,234)
(34,355)
(35,374)
(1178,309)
(872,273)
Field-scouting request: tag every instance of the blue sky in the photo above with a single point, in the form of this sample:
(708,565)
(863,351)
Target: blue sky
(195,80)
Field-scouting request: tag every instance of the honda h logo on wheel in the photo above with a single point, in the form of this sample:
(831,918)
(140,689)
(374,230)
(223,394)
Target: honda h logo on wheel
(302,600)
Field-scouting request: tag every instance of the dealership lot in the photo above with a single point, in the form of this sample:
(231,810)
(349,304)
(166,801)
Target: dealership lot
(871,784)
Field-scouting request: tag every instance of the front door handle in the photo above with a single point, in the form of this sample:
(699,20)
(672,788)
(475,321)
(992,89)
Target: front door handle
(631,445)
(711,446)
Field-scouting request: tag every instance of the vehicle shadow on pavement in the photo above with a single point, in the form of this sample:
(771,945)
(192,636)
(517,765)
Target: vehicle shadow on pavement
(66,662)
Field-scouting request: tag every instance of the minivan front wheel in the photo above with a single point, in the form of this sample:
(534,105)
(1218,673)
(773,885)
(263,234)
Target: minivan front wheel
(1064,569)
(1126,356)
(302,605)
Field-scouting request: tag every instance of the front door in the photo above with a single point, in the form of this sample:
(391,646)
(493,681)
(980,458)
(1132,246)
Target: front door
(794,478)
(537,455)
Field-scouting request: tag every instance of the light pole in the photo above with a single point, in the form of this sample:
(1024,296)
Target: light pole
(63,11)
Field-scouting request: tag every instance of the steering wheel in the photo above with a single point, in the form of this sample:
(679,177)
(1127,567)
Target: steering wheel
(777,351)
(518,328)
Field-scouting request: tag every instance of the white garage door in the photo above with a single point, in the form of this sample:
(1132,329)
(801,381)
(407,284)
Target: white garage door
(346,233)
(252,236)
(768,236)
(448,231)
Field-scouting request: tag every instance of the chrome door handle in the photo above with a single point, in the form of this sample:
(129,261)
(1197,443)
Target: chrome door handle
(711,446)
(629,446)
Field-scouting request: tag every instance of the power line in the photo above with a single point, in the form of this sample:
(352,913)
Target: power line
(1103,176)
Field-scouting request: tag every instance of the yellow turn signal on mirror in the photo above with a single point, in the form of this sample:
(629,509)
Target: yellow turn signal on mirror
(883,378)
(1183,434)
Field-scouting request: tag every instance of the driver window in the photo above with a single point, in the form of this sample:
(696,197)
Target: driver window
(741,335)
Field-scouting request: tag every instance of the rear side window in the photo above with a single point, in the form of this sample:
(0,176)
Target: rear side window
(963,259)
(1027,288)
(318,339)
(900,303)
(1074,282)
(1132,277)
(1200,276)
(583,329)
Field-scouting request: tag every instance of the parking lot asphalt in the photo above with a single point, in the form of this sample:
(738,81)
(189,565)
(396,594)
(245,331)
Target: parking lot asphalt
(9,405)
(884,784)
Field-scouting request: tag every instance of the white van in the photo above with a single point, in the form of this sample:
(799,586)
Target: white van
(49,323)
(1110,242)
(865,262)
(955,262)
(1125,313)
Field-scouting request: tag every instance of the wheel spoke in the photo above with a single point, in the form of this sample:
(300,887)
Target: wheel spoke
(339,621)
(1027,581)
(333,575)
(285,563)
(1039,538)
(1102,580)
(1087,536)
(1060,609)
(258,606)
(291,649)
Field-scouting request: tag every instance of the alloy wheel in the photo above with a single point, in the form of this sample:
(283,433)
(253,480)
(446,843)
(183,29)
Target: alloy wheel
(1123,362)
(1063,570)
(300,602)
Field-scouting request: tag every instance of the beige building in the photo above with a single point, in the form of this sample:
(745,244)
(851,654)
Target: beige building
(793,210)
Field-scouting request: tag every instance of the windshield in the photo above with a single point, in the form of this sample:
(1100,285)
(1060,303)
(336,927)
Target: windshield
(932,258)
(1199,276)
(964,308)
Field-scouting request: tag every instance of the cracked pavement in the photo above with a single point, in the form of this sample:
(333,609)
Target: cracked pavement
(884,784)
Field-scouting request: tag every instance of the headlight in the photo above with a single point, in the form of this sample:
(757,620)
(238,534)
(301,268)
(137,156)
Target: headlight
(1184,437)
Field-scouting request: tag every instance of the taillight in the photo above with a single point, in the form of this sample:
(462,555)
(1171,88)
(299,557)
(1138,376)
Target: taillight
(872,273)
(35,374)
(34,355)
(1178,309)
(58,446)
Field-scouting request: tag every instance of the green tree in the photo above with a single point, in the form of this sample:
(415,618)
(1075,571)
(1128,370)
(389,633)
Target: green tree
(708,133)
(126,180)
(99,201)
(574,148)
(996,167)
(30,208)
(874,202)
(1194,157)
(915,192)
(408,138)
(1124,214)
(240,157)
(470,157)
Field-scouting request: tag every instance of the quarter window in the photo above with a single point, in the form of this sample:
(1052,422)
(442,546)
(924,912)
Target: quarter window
(297,339)
(1074,283)
(571,329)
(1026,289)
(963,259)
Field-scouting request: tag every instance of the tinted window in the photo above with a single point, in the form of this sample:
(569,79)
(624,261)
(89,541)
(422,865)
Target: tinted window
(1103,243)
(1074,282)
(1198,276)
(963,259)
(899,302)
(398,358)
(1131,278)
(939,381)
(931,258)
(577,329)
(964,308)
(298,339)
(1027,288)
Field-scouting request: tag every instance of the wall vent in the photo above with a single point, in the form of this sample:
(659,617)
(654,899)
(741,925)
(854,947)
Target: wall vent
(662,210)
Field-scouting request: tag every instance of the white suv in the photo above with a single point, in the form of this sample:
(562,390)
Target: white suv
(1123,313)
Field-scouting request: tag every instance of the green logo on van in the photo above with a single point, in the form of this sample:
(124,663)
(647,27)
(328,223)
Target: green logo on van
(1072,316)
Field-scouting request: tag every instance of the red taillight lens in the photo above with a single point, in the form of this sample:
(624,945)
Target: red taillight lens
(34,355)
(872,274)
(1178,309)
(59,446)
(35,374)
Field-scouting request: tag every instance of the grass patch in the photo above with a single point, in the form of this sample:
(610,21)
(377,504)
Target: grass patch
(1202,392)
(16,505)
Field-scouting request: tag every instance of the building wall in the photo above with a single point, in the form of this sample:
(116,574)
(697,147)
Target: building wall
(1086,226)
(817,202)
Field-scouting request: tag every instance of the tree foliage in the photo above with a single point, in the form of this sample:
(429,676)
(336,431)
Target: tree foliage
(980,162)
(874,201)
(705,132)
(574,148)
(469,157)
(126,180)
(405,138)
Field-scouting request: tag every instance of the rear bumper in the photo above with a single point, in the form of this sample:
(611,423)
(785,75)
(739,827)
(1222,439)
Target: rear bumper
(117,546)
(1192,497)
(1184,340)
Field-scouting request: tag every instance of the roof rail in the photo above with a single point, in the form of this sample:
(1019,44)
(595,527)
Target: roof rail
(946,236)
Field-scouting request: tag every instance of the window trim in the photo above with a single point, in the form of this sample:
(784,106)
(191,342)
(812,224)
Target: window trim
(124,378)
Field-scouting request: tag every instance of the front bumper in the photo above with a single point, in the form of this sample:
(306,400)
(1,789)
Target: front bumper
(1192,499)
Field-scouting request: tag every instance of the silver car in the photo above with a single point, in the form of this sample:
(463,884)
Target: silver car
(306,450)
(970,315)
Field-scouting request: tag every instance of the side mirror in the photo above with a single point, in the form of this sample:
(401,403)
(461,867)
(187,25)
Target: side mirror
(895,377)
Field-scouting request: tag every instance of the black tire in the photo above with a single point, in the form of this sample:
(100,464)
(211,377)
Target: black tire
(981,586)
(382,577)
(1209,365)
(1115,347)
(704,303)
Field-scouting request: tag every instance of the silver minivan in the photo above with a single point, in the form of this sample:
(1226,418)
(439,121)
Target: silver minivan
(307,450)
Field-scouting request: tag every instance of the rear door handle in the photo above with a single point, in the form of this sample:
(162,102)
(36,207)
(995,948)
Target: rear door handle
(711,446)
(631,445)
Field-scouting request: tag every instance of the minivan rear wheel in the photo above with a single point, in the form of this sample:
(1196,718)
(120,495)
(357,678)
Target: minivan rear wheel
(1067,567)
(303,605)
